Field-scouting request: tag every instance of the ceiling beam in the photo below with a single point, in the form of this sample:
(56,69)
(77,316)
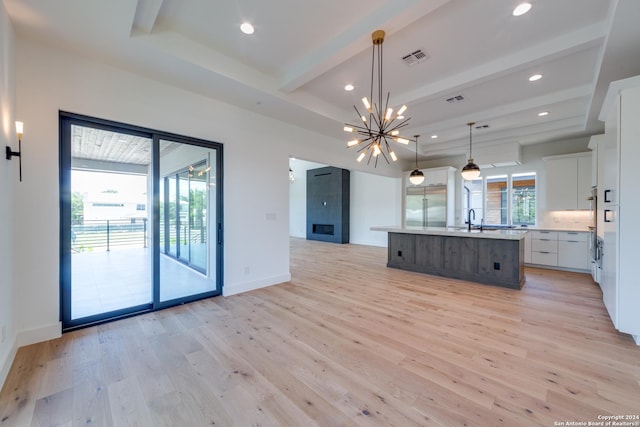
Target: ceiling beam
(147,12)
(585,38)
(392,16)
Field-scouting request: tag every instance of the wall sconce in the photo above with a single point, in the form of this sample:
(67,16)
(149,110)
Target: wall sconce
(11,153)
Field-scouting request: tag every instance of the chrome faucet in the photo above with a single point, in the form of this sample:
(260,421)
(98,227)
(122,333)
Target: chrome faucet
(471,211)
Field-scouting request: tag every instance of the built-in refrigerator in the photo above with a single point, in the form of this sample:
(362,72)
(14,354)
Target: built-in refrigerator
(426,206)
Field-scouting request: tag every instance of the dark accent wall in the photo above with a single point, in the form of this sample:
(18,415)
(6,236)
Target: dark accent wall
(328,204)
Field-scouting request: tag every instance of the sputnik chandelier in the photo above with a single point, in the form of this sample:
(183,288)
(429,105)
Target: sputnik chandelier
(380,126)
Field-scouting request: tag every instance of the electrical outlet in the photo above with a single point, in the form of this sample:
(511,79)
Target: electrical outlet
(247,270)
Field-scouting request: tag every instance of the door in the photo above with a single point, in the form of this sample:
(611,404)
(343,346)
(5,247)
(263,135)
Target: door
(140,220)
(190,219)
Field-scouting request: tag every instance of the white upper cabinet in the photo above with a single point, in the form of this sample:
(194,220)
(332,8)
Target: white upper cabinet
(568,181)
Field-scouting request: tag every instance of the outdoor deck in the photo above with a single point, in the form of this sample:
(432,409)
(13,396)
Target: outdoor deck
(103,280)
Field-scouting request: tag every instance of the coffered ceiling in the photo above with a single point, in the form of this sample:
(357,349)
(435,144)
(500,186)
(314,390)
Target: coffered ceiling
(296,64)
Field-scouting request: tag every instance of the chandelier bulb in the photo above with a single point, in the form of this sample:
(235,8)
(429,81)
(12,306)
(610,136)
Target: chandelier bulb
(379,126)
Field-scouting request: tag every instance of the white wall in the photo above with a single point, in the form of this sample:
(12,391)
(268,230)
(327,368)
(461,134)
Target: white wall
(9,182)
(256,186)
(298,197)
(374,200)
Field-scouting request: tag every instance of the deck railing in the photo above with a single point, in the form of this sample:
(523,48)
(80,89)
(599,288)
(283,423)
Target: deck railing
(93,235)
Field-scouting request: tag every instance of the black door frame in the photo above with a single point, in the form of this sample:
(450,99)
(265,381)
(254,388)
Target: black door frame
(66,119)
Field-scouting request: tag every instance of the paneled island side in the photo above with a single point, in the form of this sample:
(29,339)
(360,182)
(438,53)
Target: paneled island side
(492,257)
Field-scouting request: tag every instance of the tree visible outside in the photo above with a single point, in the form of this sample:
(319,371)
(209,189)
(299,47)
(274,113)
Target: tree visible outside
(77,208)
(524,200)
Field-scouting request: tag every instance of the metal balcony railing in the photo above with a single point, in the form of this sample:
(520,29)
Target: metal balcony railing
(93,235)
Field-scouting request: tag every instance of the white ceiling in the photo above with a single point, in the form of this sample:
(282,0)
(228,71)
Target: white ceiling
(295,66)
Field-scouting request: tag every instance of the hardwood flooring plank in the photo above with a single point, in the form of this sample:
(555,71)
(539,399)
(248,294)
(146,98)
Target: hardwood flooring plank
(347,342)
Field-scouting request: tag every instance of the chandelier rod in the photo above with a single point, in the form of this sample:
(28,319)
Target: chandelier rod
(380,82)
(470,124)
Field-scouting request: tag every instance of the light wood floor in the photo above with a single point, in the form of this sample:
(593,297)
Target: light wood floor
(347,342)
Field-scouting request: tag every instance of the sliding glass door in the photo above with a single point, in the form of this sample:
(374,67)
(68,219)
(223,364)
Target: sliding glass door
(141,220)
(188,219)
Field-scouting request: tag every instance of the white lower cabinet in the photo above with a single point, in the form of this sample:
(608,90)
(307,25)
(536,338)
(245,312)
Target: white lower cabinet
(544,248)
(573,250)
(562,249)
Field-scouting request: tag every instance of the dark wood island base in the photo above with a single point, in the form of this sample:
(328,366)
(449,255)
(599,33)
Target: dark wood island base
(478,257)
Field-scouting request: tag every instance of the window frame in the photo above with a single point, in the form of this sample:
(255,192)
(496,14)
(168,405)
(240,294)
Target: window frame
(465,201)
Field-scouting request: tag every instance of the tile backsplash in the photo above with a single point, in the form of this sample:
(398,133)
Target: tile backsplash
(565,219)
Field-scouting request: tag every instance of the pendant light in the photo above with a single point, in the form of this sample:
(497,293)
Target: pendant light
(383,125)
(470,171)
(416,177)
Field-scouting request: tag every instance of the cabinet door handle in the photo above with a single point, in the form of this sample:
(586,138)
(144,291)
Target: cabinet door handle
(606,215)
(572,241)
(572,232)
(606,196)
(543,252)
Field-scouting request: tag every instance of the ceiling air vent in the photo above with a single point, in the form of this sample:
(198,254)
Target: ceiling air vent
(455,99)
(414,58)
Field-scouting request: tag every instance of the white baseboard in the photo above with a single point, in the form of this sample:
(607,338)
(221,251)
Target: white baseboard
(27,337)
(6,361)
(238,288)
(42,333)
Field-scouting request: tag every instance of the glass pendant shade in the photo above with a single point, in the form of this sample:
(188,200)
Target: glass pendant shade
(470,171)
(416,177)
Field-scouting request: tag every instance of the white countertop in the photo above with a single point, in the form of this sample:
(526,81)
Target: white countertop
(509,234)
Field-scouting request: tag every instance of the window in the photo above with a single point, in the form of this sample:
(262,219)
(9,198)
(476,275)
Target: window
(508,199)
(523,194)
(474,191)
(497,200)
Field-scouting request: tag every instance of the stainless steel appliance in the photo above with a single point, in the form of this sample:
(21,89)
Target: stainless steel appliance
(426,206)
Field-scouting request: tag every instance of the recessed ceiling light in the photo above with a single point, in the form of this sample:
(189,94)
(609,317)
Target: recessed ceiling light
(246,28)
(535,77)
(543,113)
(348,87)
(434,136)
(521,9)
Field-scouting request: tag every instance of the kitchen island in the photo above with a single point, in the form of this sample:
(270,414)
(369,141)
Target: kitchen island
(493,257)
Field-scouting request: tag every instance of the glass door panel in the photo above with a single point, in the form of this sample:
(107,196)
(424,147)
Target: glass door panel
(171,215)
(109,259)
(189,172)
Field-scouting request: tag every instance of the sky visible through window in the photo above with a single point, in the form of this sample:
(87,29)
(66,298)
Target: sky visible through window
(89,182)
